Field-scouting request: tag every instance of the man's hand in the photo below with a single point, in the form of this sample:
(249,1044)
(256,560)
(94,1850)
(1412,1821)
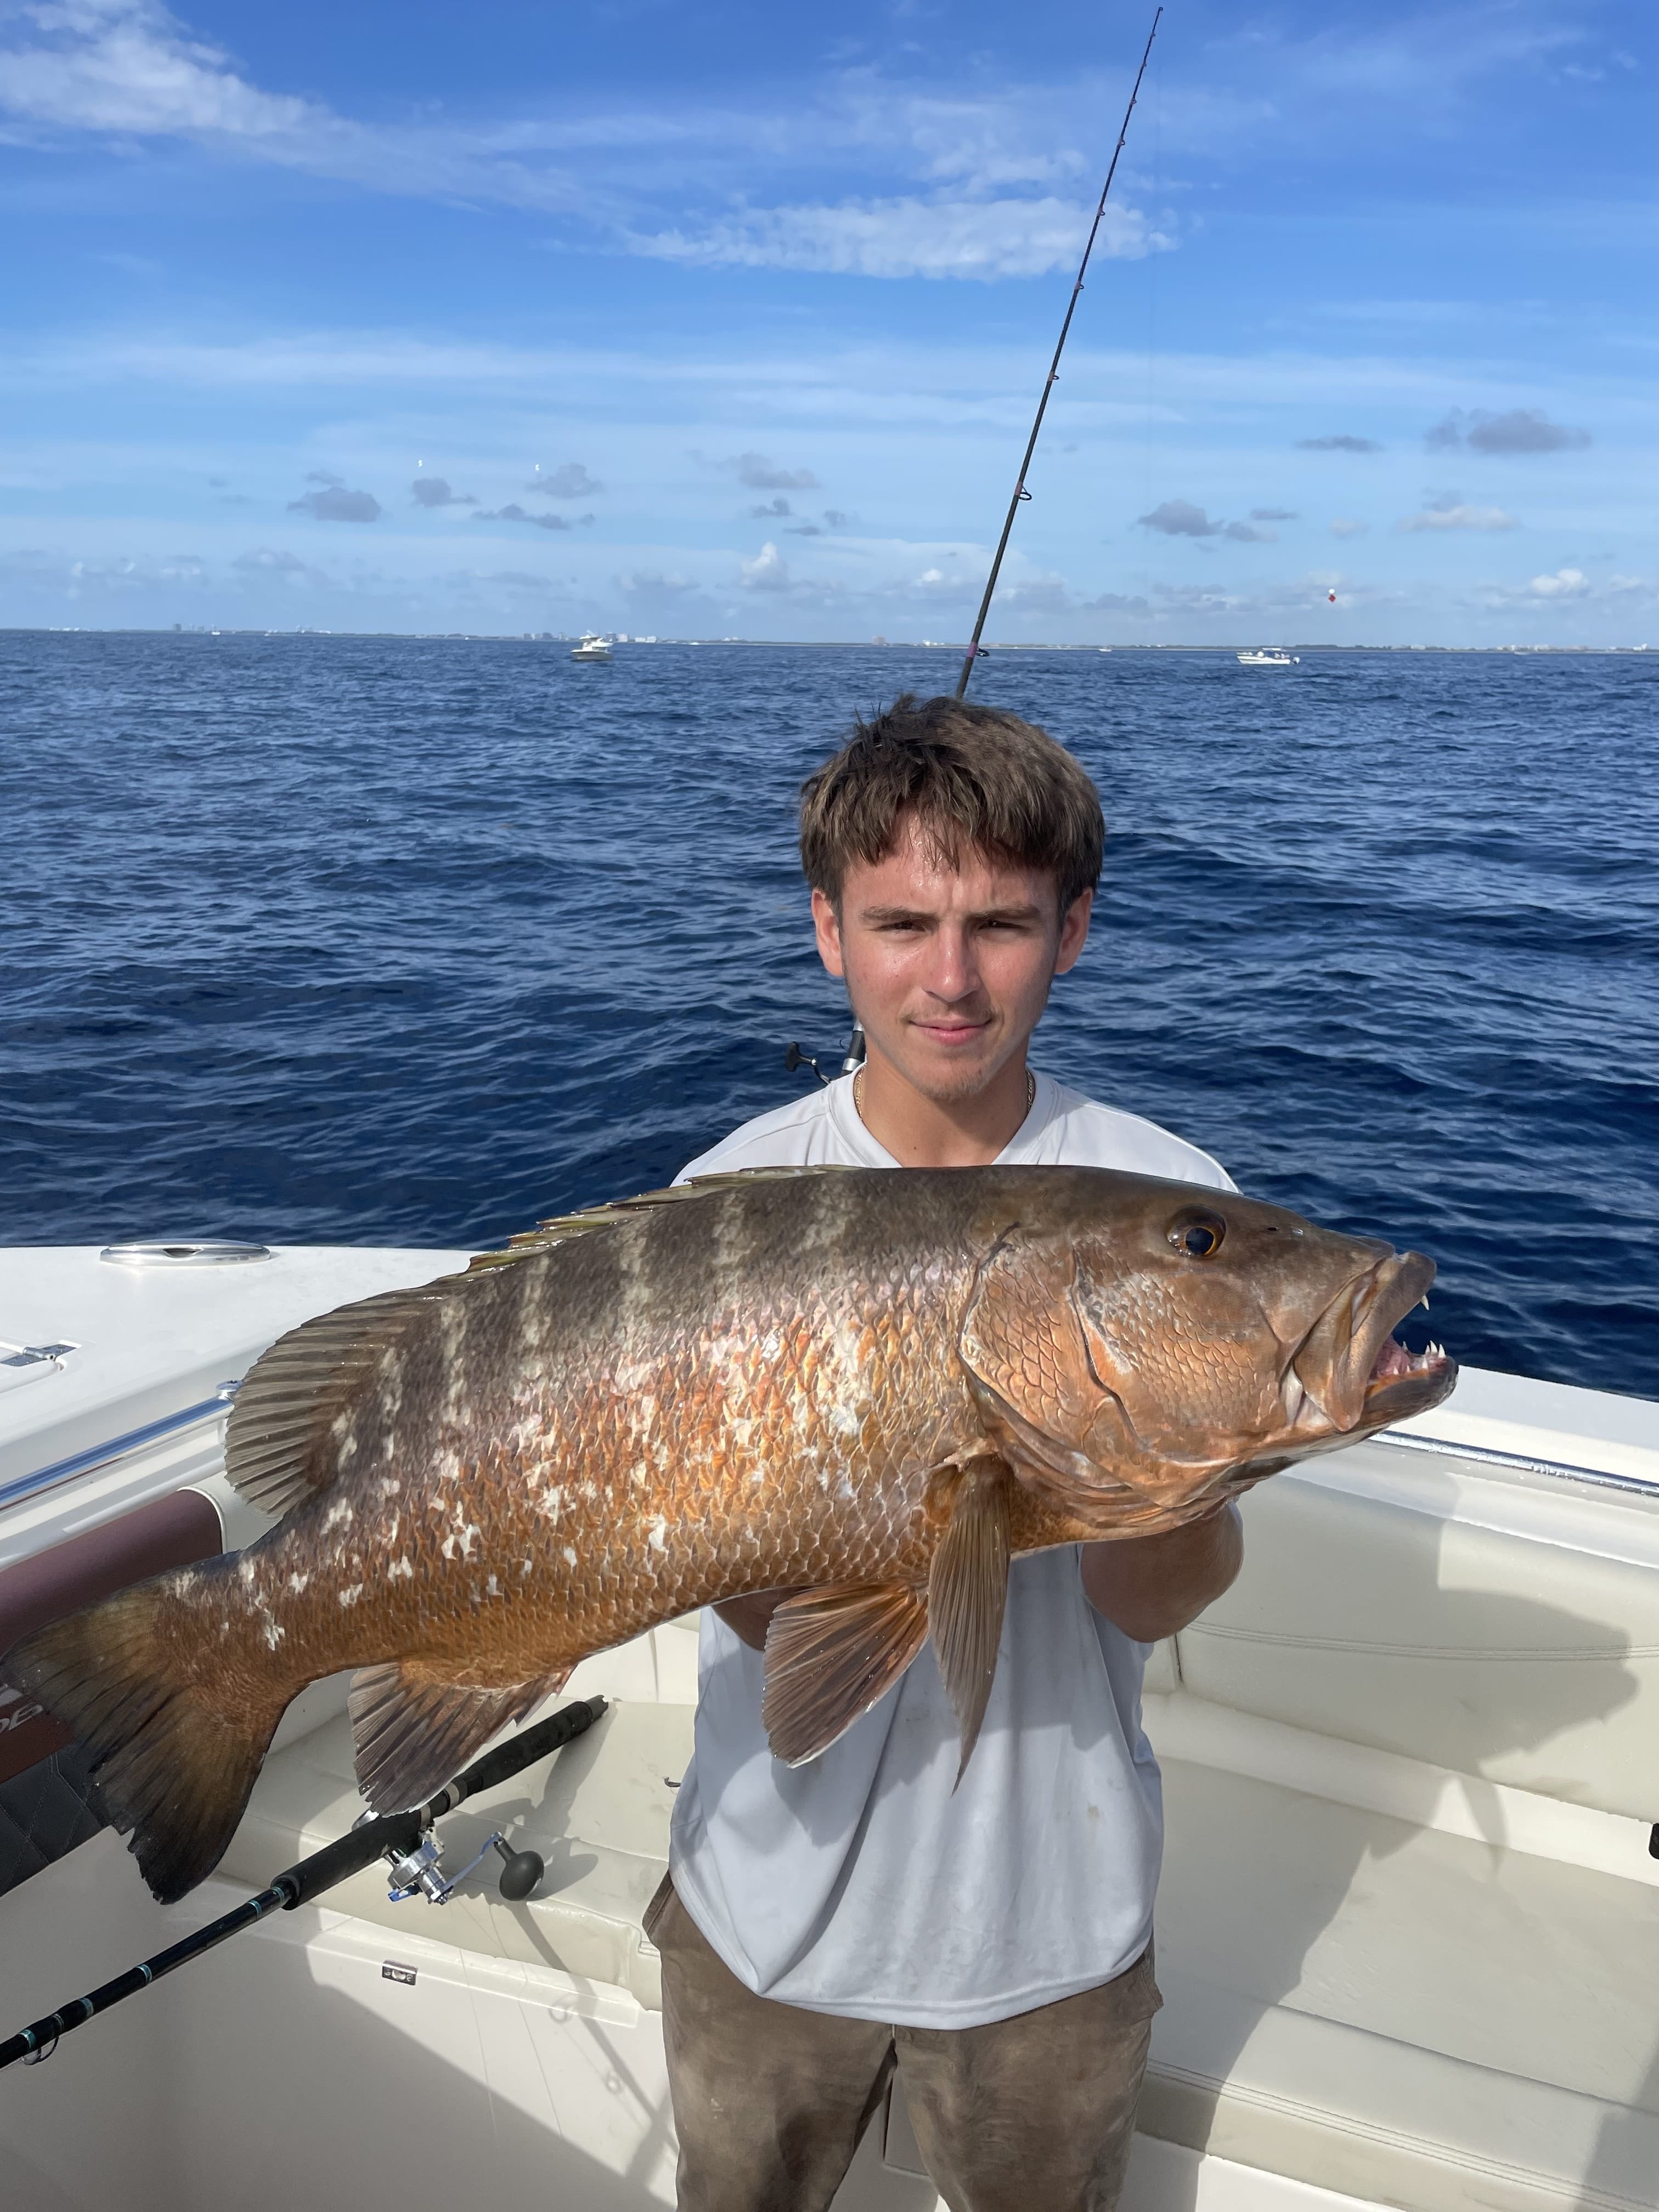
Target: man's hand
(751,1616)
(1151,1586)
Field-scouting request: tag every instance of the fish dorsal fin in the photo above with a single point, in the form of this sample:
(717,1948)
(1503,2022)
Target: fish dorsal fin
(411,1735)
(563,1226)
(830,1653)
(967,1590)
(282,1411)
(275,1453)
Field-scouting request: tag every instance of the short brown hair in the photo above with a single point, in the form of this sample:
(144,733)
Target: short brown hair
(973,777)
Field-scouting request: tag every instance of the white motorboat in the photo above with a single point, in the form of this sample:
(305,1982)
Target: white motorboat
(1408,1931)
(1269,657)
(592,647)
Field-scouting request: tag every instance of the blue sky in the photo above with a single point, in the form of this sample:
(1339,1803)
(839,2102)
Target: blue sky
(718,320)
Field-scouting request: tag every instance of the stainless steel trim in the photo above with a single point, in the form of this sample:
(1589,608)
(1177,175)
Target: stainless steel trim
(183,1252)
(37,1355)
(1565,1470)
(96,1455)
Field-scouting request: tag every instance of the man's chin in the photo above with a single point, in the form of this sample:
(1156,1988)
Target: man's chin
(949,1080)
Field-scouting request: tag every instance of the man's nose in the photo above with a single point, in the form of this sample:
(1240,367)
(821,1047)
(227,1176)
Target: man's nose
(953,973)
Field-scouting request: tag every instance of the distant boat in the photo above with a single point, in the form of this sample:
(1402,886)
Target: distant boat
(1259,659)
(1105,648)
(592,647)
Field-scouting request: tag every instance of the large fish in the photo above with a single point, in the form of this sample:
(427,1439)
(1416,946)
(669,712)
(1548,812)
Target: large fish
(872,1387)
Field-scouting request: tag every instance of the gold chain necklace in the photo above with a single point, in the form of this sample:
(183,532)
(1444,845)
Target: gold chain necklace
(858,1091)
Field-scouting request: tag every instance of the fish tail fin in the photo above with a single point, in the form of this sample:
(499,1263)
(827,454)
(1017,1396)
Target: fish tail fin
(175,1769)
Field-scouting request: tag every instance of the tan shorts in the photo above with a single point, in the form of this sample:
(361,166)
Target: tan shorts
(770,2099)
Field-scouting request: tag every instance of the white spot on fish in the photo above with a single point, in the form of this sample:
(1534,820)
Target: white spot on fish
(403,1568)
(350,1595)
(658,1536)
(298,1583)
(492,1588)
(567,1555)
(245,1569)
(274,1633)
(337,1513)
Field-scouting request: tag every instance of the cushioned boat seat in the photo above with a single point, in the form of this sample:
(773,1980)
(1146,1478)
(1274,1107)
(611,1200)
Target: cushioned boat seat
(1352,2000)
(597,1813)
(1403,2015)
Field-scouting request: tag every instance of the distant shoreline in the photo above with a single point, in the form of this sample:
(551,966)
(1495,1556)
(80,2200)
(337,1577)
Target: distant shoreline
(776,644)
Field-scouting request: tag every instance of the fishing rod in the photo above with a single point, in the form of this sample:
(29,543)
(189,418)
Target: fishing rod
(401,1838)
(1020,492)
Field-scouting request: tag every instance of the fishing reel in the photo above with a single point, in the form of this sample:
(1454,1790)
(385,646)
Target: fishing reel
(420,1871)
(794,1057)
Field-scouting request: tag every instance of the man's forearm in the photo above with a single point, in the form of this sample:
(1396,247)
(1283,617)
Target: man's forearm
(1151,1586)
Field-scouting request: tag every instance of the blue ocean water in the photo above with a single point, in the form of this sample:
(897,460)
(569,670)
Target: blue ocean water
(394,939)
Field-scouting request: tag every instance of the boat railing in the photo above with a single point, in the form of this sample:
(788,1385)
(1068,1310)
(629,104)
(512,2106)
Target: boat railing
(1519,1462)
(96,1456)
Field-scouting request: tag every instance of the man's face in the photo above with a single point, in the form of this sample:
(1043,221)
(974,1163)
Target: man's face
(948,969)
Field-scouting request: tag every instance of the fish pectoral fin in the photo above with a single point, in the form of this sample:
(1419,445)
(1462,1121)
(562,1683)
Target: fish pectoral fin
(830,1653)
(967,1590)
(412,1733)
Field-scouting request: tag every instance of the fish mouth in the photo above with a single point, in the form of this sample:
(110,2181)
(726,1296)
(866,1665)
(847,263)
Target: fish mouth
(1353,1370)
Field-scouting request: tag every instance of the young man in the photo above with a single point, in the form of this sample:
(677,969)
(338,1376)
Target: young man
(992,1939)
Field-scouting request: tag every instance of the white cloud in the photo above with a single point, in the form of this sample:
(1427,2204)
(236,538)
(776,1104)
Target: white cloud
(1450,512)
(1344,525)
(114,66)
(1565,584)
(767,572)
(130,69)
(908,237)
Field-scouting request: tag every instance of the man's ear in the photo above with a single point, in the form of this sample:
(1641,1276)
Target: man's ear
(826,922)
(1073,932)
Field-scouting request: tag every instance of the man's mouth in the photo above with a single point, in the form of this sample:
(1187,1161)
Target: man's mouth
(952,1032)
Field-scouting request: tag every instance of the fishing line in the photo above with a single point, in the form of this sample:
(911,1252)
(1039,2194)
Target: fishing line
(1146,500)
(1020,492)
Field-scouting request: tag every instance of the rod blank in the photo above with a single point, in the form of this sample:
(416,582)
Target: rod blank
(1020,492)
(309,1877)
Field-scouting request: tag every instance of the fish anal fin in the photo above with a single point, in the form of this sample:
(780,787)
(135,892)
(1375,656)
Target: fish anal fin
(830,1653)
(412,1733)
(967,1591)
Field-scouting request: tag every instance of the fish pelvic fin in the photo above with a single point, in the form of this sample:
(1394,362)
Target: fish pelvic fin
(413,1734)
(830,1654)
(967,1592)
(175,1769)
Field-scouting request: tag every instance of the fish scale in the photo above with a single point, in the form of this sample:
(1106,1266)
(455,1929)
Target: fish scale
(872,1388)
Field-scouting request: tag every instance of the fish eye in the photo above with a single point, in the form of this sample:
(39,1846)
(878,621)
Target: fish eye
(1198,1235)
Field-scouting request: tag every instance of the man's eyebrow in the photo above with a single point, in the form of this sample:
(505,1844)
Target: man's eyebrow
(1013,910)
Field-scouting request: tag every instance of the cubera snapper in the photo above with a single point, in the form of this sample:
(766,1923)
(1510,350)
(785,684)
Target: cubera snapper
(873,1387)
